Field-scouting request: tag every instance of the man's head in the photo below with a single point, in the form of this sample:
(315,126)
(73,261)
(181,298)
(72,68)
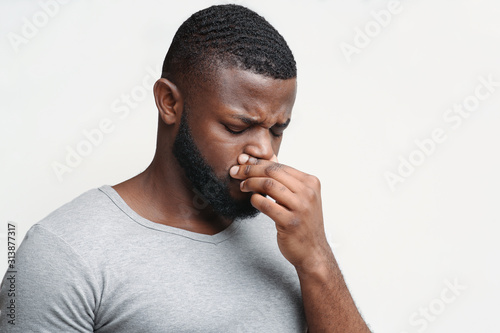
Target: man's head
(228,87)
(228,36)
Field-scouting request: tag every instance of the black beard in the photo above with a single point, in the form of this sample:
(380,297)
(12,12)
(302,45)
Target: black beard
(214,191)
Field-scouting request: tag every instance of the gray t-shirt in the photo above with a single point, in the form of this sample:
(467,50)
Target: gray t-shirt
(95,265)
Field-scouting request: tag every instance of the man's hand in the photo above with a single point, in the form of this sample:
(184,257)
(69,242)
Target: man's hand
(297,211)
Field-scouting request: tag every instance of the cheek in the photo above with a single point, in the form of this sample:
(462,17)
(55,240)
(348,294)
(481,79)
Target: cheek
(220,153)
(223,155)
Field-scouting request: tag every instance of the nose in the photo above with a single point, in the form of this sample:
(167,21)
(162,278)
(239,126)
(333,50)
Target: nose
(260,145)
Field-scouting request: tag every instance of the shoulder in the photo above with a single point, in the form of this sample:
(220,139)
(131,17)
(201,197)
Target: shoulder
(84,207)
(90,212)
(88,225)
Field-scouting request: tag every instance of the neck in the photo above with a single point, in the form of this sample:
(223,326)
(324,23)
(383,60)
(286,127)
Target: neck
(163,194)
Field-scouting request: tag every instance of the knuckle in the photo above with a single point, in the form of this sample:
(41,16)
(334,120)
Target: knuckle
(293,223)
(268,184)
(315,182)
(272,169)
(247,169)
(310,193)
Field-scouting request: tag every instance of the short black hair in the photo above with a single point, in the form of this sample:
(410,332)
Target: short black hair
(229,36)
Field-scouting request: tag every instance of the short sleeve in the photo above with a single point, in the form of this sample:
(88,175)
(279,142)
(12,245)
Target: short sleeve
(53,288)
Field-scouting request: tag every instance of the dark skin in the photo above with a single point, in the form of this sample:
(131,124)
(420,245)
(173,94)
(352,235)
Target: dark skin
(237,122)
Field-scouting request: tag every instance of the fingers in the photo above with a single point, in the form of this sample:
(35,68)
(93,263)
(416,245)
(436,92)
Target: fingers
(245,159)
(273,188)
(272,209)
(290,177)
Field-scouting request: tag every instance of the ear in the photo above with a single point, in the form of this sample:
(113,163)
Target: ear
(168,100)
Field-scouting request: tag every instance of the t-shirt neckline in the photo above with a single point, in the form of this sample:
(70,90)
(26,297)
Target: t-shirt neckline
(214,239)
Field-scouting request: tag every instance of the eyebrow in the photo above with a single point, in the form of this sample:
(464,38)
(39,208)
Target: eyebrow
(250,121)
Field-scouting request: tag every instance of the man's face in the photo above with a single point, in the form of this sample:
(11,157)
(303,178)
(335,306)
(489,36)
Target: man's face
(240,112)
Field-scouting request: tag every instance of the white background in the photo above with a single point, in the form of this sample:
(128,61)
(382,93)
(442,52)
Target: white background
(352,122)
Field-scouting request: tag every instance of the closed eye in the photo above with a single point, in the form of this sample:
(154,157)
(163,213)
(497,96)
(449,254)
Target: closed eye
(276,130)
(234,132)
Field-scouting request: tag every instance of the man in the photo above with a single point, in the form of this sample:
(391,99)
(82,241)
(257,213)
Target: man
(182,247)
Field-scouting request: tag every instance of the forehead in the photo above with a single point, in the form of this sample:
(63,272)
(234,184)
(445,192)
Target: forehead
(234,91)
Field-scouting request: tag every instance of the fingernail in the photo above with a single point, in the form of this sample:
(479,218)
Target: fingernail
(243,158)
(234,170)
(274,158)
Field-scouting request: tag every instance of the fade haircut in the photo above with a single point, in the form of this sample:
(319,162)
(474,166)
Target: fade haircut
(229,36)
